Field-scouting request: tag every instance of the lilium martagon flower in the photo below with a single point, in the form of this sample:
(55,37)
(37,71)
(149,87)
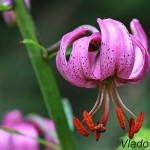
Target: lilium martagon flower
(105,60)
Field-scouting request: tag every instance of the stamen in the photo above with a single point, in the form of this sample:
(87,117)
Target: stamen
(81,129)
(88,121)
(139,122)
(122,104)
(98,101)
(120,116)
(131,128)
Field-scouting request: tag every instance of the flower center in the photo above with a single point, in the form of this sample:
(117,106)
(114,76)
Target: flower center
(94,46)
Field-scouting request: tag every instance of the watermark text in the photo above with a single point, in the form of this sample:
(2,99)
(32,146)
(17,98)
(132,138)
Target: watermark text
(134,144)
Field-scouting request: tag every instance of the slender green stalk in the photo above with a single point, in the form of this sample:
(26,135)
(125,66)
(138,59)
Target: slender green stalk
(45,77)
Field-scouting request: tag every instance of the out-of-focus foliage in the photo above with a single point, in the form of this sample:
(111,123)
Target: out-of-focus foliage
(4,7)
(53,18)
(68,111)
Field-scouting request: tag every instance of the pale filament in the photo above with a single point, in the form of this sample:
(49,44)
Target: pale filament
(98,102)
(122,104)
(115,102)
(114,98)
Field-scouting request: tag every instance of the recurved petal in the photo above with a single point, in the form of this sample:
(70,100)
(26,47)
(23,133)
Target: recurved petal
(52,136)
(90,64)
(53,139)
(141,64)
(66,40)
(81,64)
(22,142)
(117,53)
(138,31)
(44,127)
(5,140)
(11,118)
(71,69)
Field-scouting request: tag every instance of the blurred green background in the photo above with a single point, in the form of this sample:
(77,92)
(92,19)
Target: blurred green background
(18,85)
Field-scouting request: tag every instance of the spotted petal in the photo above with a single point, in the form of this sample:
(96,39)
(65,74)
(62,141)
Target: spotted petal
(141,65)
(140,41)
(83,66)
(117,54)
(138,32)
(142,59)
(61,61)
(73,70)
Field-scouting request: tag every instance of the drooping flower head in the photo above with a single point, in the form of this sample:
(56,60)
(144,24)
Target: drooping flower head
(9,16)
(32,126)
(106,59)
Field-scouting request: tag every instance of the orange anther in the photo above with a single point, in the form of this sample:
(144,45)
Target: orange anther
(120,116)
(131,128)
(88,121)
(139,122)
(81,129)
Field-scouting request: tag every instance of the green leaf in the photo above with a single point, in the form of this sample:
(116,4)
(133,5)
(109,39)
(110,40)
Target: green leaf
(40,140)
(4,7)
(39,46)
(68,113)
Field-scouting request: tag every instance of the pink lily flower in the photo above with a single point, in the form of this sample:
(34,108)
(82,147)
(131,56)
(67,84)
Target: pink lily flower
(106,59)
(14,120)
(9,16)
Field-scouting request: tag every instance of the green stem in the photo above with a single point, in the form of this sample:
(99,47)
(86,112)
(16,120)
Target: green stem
(53,48)
(45,77)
